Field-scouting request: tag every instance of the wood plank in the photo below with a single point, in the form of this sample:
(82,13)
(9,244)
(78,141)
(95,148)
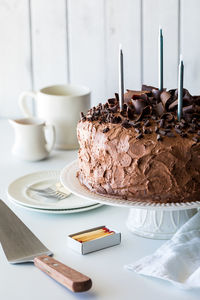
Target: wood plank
(49,33)
(190,44)
(165,13)
(86,45)
(14,55)
(123,25)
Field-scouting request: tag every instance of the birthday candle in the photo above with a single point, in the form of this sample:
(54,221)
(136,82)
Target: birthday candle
(160,60)
(121,78)
(180,88)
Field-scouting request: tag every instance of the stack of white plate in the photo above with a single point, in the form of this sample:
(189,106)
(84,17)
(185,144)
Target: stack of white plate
(20,194)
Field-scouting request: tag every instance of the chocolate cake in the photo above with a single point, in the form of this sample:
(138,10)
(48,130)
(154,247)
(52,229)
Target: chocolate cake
(142,152)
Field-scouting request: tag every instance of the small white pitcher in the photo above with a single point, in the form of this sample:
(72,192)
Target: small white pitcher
(30,141)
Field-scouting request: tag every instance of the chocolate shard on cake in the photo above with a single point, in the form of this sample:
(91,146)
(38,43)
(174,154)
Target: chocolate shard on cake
(142,152)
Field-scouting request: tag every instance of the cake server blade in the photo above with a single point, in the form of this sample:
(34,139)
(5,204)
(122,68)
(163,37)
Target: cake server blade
(21,245)
(18,242)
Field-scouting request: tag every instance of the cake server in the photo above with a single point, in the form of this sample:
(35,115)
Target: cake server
(21,245)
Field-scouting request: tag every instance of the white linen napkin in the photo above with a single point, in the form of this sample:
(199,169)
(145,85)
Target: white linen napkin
(177,260)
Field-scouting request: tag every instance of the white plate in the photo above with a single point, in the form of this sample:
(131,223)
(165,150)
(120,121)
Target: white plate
(19,193)
(59,211)
(70,181)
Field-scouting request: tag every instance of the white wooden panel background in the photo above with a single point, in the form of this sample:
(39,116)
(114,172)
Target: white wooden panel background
(46,42)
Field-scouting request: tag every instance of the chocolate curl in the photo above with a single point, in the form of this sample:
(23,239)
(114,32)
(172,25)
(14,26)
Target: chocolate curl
(190,109)
(148,88)
(130,104)
(128,96)
(172,92)
(142,96)
(139,105)
(156,93)
(190,112)
(165,98)
(113,105)
(131,93)
(186,96)
(117,97)
(130,113)
(111,101)
(146,111)
(152,100)
(124,110)
(173,105)
(159,108)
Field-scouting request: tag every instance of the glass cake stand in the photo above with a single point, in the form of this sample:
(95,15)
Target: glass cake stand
(151,220)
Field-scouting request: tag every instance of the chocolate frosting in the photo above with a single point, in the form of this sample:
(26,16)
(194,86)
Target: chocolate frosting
(142,152)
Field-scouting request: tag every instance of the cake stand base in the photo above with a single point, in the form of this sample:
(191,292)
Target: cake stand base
(157,224)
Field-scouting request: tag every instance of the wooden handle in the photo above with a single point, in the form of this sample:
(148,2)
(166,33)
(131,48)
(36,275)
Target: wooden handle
(68,277)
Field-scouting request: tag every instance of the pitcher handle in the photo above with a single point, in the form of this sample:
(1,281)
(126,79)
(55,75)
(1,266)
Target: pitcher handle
(49,146)
(23,103)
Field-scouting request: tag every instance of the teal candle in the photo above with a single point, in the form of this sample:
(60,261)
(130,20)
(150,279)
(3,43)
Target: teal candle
(180,88)
(160,60)
(121,78)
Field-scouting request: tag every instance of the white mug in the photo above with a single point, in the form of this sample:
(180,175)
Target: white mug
(30,138)
(59,105)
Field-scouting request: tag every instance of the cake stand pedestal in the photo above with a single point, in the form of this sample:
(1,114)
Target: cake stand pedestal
(151,220)
(157,224)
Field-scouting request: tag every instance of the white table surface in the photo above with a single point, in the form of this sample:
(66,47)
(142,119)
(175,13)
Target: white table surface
(105,267)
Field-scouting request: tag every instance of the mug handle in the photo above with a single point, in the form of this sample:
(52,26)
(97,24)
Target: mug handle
(23,103)
(49,146)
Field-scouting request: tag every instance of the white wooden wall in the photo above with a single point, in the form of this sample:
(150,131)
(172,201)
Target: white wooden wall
(46,42)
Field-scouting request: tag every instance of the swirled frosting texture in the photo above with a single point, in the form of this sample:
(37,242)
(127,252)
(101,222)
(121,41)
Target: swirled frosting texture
(112,160)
